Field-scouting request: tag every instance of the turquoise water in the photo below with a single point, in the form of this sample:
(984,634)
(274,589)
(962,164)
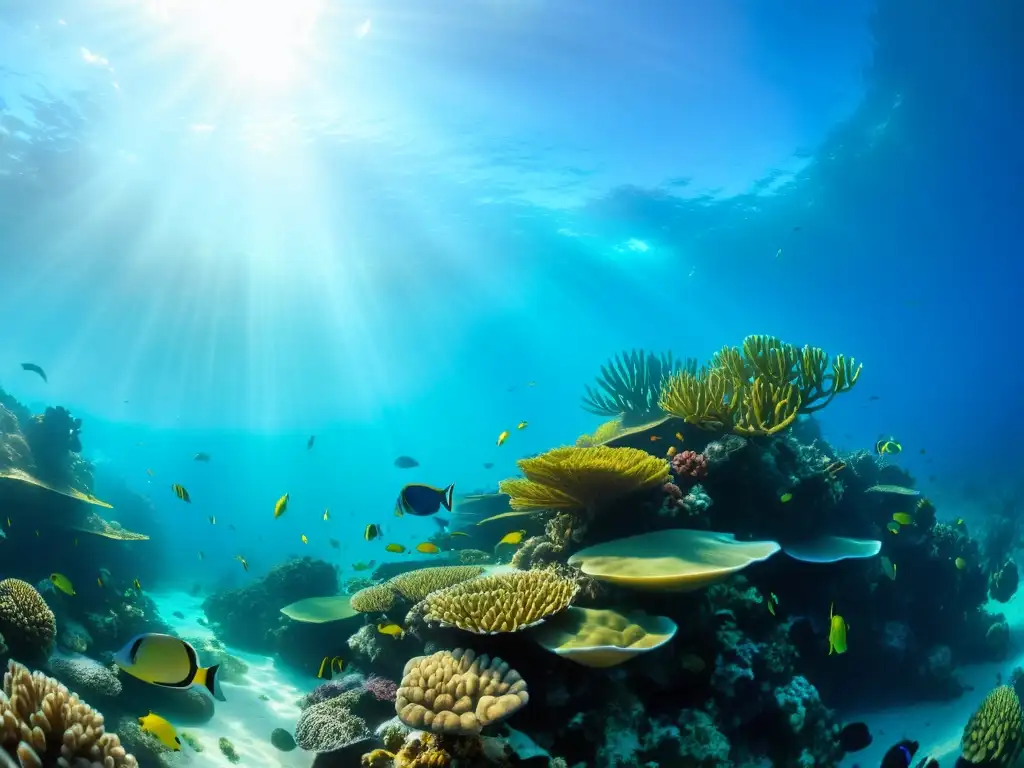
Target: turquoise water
(307,238)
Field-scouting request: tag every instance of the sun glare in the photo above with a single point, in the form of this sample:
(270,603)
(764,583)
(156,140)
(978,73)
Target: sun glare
(264,41)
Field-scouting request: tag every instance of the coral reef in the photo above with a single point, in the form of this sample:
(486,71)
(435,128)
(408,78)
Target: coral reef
(88,676)
(631,383)
(995,733)
(27,624)
(329,726)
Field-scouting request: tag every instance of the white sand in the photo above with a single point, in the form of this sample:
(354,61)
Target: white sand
(244,719)
(938,726)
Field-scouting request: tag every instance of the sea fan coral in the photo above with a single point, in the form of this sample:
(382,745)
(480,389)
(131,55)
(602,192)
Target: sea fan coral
(632,382)
(26,621)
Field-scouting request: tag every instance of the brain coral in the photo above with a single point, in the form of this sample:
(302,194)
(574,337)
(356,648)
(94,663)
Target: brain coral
(45,725)
(993,735)
(456,692)
(329,725)
(376,599)
(505,602)
(416,585)
(26,621)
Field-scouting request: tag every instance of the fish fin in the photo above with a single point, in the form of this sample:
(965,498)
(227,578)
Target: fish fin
(449,492)
(209,678)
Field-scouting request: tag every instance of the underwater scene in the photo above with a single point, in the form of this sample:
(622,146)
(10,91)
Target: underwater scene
(494,383)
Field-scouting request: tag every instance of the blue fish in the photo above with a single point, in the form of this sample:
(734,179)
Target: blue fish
(423,500)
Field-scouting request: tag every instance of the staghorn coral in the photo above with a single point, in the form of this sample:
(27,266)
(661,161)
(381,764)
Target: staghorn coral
(26,621)
(993,736)
(329,725)
(458,692)
(47,726)
(632,382)
(376,599)
(416,585)
(582,478)
(504,602)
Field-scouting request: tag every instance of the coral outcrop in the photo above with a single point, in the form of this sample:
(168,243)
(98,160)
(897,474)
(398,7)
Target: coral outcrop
(27,624)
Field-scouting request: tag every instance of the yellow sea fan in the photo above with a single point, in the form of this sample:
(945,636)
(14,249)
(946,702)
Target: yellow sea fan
(579,478)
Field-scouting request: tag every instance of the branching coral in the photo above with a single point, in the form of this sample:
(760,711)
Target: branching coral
(45,725)
(26,621)
(505,602)
(759,390)
(632,382)
(582,478)
(457,692)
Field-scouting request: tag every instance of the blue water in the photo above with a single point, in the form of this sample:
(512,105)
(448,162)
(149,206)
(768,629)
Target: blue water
(227,227)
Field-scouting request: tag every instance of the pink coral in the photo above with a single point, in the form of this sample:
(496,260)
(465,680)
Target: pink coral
(381,688)
(673,491)
(690,464)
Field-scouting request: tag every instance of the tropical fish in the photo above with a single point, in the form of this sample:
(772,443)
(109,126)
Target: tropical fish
(181,493)
(329,665)
(406,462)
(327,514)
(391,629)
(888,567)
(888,446)
(201,457)
(361,566)
(836,632)
(672,451)
(162,729)
(854,737)
(309,443)
(396,548)
(371,532)
(903,518)
(960,563)
(281,506)
(772,602)
(212,519)
(99,581)
(502,438)
(959,521)
(422,500)
(63,583)
(168,662)
(243,561)
(335,544)
(304,539)
(137,585)
(679,436)
(893,527)
(655,438)
(835,466)
(900,755)
(513,537)
(427,548)
(522,425)
(786,498)
(488,465)
(34,369)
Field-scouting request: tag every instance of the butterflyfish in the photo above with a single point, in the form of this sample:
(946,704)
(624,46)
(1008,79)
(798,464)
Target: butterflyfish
(396,548)
(423,500)
(786,498)
(836,632)
(162,729)
(772,602)
(903,518)
(169,662)
(63,583)
(513,537)
(888,446)
(371,532)
(522,425)
(32,367)
(888,568)
(201,457)
(960,563)
(281,506)
(329,665)
(304,539)
(502,438)
(672,451)
(959,521)
(427,548)
(181,493)
(327,515)
(391,629)
(243,561)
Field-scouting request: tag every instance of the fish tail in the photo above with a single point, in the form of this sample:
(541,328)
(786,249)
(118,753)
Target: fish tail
(449,492)
(209,678)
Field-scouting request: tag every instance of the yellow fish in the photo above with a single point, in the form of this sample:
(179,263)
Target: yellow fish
(361,566)
(212,519)
(63,583)
(162,729)
(327,515)
(502,438)
(243,561)
(137,585)
(960,563)
(672,451)
(391,629)
(371,532)
(427,548)
(893,527)
(169,662)
(99,581)
(513,537)
(281,506)
(679,436)
(772,602)
(888,568)
(959,521)
(304,539)
(903,518)
(181,493)
(397,548)
(786,497)
(329,665)
(836,632)
(522,425)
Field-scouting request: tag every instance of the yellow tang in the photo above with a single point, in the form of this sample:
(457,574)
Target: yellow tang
(888,567)
(391,629)
(836,632)
(960,563)
(371,532)
(893,527)
(281,506)
(168,662)
(502,437)
(304,539)
(513,537)
(786,497)
(427,548)
(327,515)
(162,729)
(903,518)
(328,666)
(63,583)
(398,548)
